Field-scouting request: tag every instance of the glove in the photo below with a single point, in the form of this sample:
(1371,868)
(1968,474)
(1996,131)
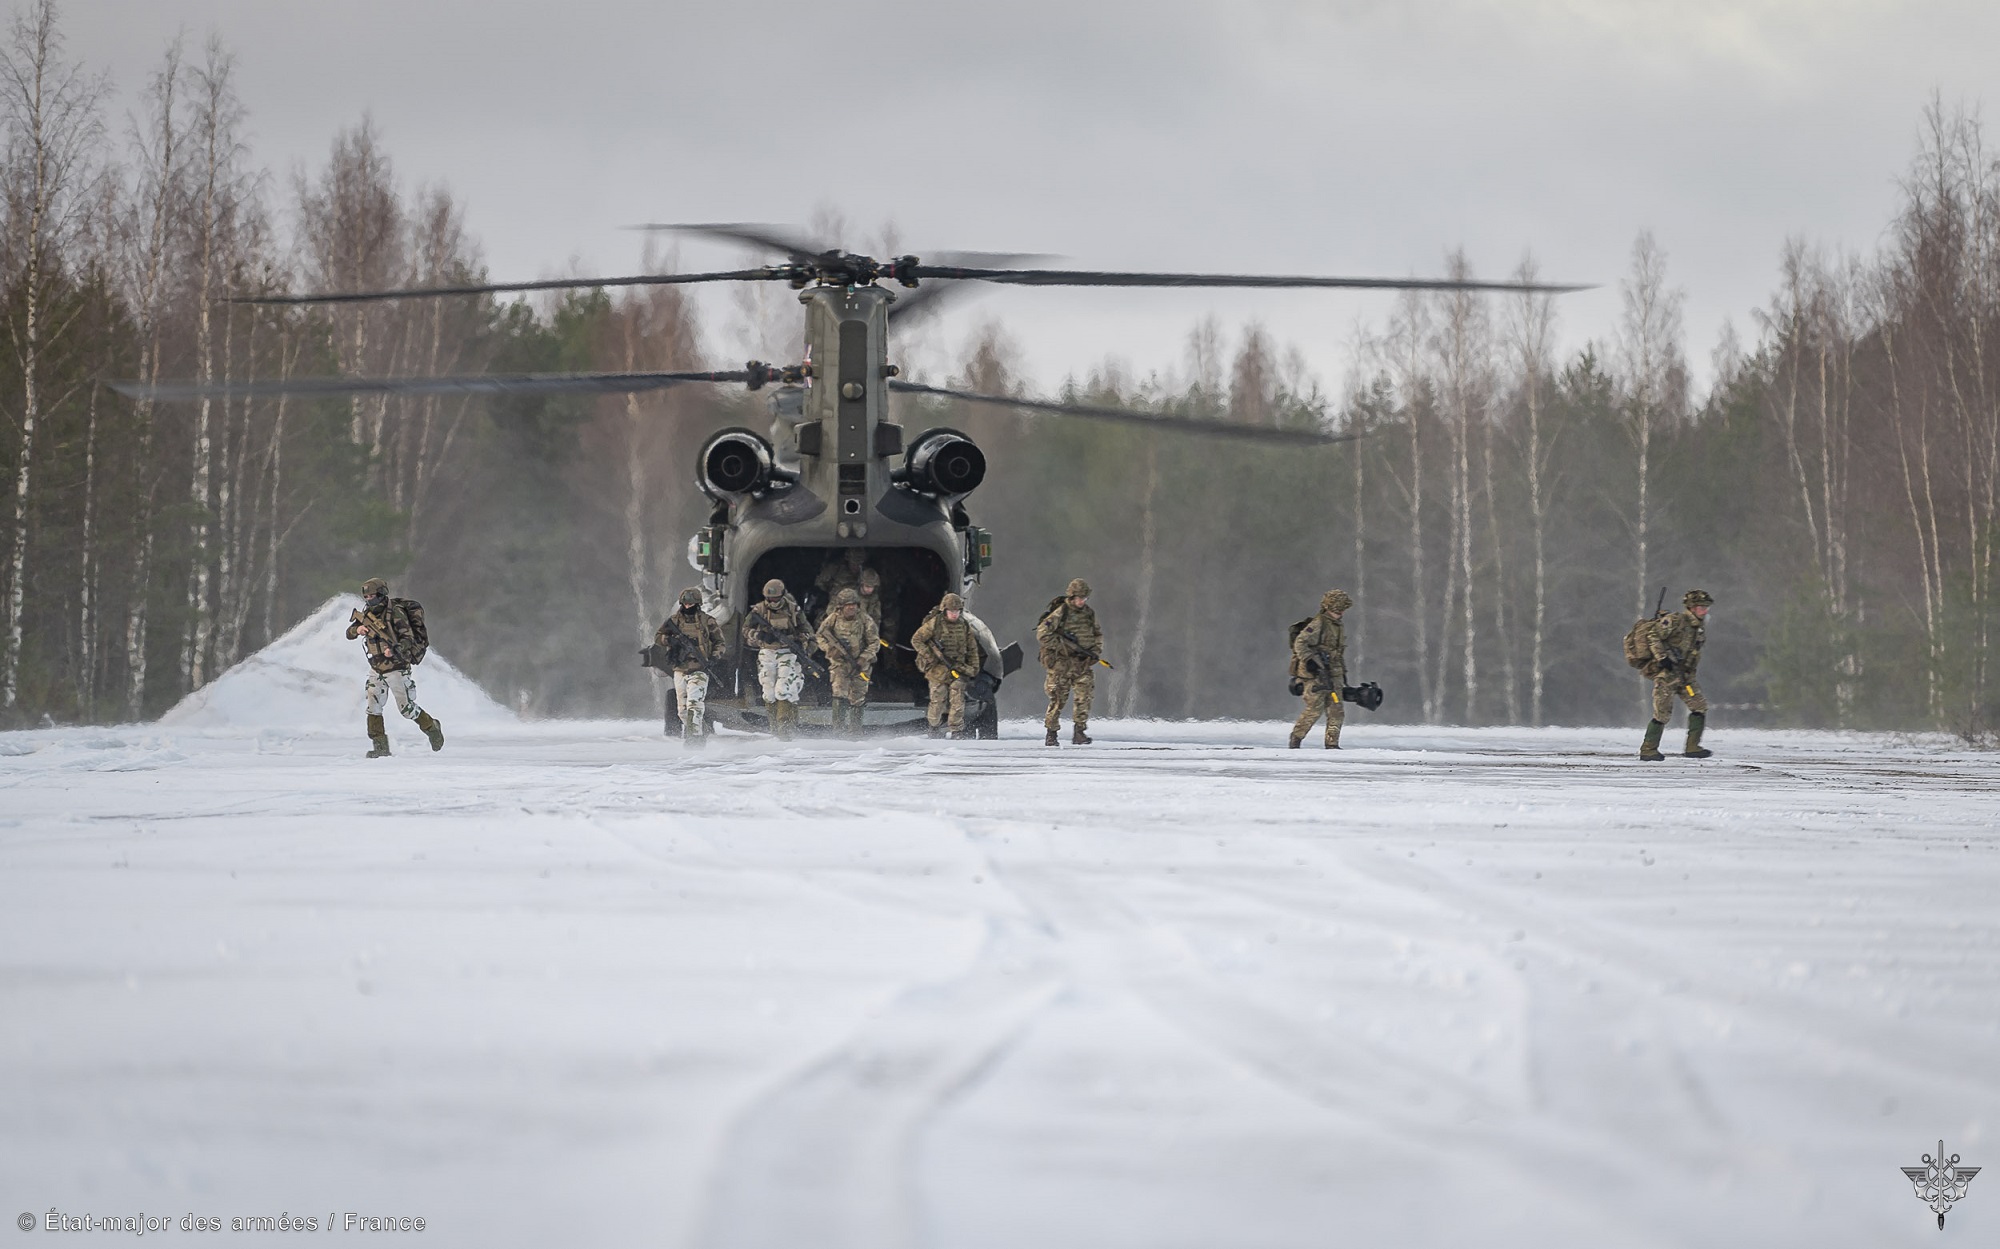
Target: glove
(1312,667)
(1297,687)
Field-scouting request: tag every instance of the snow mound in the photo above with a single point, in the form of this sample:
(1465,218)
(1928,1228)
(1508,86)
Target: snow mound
(311,679)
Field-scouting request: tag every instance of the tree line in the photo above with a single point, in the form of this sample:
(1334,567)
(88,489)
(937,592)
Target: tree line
(1501,515)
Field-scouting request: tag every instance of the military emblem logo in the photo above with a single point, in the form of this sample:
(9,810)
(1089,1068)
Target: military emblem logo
(1940,1181)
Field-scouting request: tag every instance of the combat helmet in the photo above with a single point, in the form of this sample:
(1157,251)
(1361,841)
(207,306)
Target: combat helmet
(774,589)
(951,602)
(1335,600)
(1697,598)
(849,597)
(374,587)
(1078,588)
(870,580)
(690,597)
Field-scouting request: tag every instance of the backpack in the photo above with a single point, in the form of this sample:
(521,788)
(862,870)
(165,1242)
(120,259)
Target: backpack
(1296,685)
(1639,641)
(419,635)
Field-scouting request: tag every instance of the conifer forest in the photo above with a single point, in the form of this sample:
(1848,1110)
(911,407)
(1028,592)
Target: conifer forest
(1510,507)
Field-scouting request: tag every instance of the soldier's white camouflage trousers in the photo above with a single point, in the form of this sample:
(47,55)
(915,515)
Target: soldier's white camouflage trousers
(399,684)
(781,675)
(691,697)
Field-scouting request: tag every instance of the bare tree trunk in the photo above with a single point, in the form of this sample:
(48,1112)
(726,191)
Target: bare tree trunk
(1532,329)
(51,112)
(1148,560)
(287,355)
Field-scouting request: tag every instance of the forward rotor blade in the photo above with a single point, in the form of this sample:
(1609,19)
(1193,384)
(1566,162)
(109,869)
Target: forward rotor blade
(553,284)
(497,384)
(1182,424)
(1092,277)
(790,240)
(928,299)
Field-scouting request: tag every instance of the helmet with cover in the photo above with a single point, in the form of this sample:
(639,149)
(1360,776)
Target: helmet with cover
(774,589)
(1078,588)
(690,598)
(951,602)
(1335,601)
(1697,598)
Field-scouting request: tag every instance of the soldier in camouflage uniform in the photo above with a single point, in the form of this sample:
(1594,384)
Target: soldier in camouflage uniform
(841,574)
(1676,645)
(690,640)
(777,628)
(1072,647)
(870,590)
(949,656)
(1319,664)
(384,629)
(850,641)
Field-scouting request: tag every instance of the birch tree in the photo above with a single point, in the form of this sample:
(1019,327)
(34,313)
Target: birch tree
(52,133)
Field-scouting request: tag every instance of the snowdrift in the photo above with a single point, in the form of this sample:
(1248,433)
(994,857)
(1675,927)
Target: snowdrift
(310,679)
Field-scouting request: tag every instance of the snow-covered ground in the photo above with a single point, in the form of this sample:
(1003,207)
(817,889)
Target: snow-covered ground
(565,984)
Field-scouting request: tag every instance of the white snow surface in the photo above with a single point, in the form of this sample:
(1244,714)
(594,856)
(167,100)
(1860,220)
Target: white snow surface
(313,676)
(568,984)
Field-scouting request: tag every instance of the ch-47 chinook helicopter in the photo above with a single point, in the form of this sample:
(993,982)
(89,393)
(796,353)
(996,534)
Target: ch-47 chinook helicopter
(833,476)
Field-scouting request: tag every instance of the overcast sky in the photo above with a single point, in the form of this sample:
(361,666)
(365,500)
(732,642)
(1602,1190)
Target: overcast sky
(1356,137)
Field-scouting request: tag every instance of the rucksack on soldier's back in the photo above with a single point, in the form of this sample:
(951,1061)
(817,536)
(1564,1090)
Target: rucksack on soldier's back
(1639,641)
(418,633)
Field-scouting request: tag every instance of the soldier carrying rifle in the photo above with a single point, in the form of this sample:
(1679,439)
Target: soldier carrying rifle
(392,631)
(686,644)
(849,640)
(1672,652)
(1072,650)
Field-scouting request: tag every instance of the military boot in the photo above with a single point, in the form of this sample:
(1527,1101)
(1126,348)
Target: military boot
(378,737)
(1050,739)
(1649,750)
(1697,721)
(1294,741)
(1077,736)
(937,730)
(783,717)
(432,729)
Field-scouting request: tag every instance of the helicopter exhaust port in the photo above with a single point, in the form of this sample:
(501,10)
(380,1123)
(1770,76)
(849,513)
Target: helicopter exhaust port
(735,462)
(944,463)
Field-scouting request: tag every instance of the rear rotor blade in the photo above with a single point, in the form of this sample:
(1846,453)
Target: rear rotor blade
(553,284)
(1182,424)
(1093,277)
(926,300)
(497,384)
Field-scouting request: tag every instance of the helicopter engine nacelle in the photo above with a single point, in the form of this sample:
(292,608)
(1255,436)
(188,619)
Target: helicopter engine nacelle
(943,463)
(733,463)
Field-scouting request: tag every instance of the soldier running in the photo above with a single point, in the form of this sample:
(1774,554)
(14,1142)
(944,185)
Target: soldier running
(1072,647)
(849,640)
(691,639)
(1319,665)
(1676,645)
(949,656)
(383,625)
(777,628)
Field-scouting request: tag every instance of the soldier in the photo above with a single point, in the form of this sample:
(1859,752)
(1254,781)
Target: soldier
(691,639)
(870,590)
(842,574)
(777,628)
(1676,644)
(849,640)
(383,625)
(1319,664)
(949,656)
(1072,647)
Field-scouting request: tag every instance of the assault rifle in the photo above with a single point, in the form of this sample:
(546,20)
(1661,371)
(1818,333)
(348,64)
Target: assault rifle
(387,633)
(1076,645)
(678,649)
(793,640)
(854,658)
(1675,661)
